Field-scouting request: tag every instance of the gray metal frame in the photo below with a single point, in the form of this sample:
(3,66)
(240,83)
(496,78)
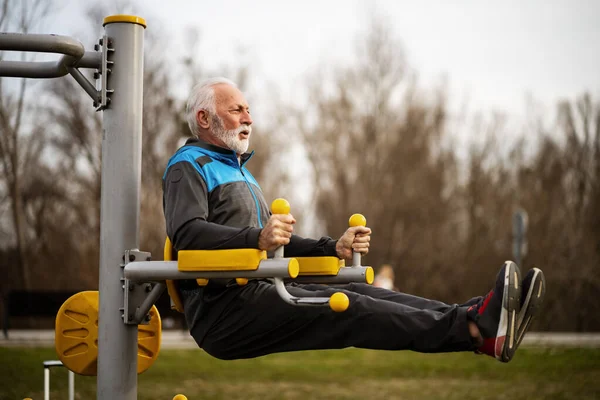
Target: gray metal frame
(126,294)
(286,296)
(139,296)
(73,57)
(120,206)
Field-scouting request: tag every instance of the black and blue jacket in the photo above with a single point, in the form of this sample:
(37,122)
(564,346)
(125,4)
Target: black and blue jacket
(211,201)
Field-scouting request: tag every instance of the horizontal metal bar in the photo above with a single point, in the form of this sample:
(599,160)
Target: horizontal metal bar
(33,69)
(295,300)
(49,69)
(90,59)
(146,271)
(312,301)
(42,43)
(71,49)
(53,363)
(345,275)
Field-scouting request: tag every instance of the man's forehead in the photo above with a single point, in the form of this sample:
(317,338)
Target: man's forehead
(227,94)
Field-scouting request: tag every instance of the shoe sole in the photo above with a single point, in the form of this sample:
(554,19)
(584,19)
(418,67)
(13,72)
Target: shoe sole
(506,344)
(532,304)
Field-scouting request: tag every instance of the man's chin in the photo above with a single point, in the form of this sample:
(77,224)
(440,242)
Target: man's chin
(241,146)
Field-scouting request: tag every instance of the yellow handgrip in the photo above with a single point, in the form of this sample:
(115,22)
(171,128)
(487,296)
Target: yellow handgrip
(180,397)
(339,302)
(357,220)
(280,206)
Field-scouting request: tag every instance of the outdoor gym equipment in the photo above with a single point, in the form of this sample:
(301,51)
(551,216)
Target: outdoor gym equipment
(53,364)
(97,331)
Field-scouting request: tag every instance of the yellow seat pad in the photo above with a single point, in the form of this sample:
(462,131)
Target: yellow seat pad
(319,265)
(220,260)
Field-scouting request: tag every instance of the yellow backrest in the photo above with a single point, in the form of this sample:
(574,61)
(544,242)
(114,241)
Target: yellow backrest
(172,287)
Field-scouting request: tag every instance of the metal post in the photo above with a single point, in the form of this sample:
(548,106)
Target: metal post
(121,180)
(46,383)
(71,385)
(520,219)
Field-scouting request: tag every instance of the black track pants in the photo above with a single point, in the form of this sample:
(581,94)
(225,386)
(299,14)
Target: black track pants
(256,321)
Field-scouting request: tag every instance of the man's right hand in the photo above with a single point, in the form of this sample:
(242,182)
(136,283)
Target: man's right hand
(277,232)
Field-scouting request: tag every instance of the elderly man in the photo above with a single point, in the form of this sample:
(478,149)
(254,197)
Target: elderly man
(211,201)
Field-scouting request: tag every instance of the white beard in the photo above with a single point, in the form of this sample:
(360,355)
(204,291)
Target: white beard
(231,137)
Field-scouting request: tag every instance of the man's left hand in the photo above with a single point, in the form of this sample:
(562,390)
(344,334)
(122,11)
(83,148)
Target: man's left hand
(357,239)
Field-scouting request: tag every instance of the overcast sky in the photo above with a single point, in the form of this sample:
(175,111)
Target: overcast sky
(492,53)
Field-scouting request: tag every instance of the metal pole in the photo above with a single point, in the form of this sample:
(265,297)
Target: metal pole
(145,271)
(121,179)
(46,384)
(71,385)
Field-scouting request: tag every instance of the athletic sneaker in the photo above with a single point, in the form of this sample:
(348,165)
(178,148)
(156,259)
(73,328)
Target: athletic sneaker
(532,297)
(496,314)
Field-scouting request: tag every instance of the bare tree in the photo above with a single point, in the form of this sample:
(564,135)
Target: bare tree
(566,201)
(374,142)
(557,184)
(19,135)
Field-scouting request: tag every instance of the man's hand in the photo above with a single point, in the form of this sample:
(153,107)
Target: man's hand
(277,232)
(356,238)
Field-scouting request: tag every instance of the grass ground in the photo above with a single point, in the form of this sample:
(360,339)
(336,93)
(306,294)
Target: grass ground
(534,373)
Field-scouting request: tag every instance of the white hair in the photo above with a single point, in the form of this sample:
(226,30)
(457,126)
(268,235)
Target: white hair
(202,97)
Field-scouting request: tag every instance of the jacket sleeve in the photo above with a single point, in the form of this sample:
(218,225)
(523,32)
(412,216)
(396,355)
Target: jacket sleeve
(304,247)
(185,203)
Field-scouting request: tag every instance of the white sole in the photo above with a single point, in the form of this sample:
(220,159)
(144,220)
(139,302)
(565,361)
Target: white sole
(531,306)
(508,314)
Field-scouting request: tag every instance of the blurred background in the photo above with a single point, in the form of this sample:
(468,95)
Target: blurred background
(444,123)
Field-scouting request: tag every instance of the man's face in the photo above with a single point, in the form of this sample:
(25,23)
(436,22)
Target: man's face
(232,124)
(237,139)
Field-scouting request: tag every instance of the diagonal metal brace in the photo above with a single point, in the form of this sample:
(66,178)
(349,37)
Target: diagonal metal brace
(139,297)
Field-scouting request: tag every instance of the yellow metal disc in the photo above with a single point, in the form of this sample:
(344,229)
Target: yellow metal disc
(369,275)
(76,335)
(148,344)
(293,268)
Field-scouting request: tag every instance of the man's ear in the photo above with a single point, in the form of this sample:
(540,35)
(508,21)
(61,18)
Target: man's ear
(202,119)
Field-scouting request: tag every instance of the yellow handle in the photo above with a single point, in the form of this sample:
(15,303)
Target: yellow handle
(357,220)
(280,206)
(180,397)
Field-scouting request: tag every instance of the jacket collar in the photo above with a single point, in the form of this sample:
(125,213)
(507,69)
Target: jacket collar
(226,153)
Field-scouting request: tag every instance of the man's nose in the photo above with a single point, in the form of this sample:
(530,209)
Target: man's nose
(246,119)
